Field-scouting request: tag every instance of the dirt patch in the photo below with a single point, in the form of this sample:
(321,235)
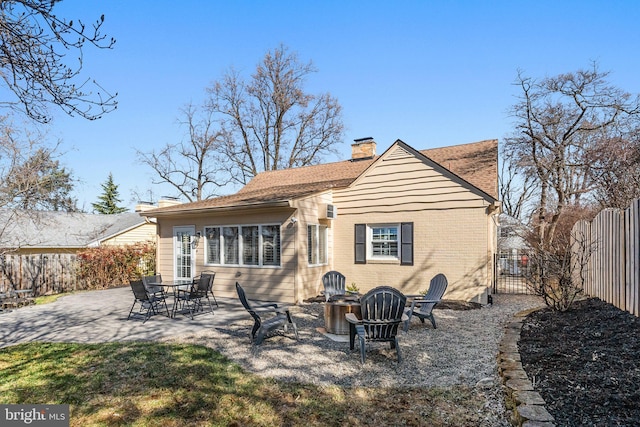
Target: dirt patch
(458,305)
(585,363)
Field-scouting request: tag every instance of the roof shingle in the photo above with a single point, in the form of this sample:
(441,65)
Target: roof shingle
(476,163)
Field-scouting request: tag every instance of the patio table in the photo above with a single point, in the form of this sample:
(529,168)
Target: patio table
(174,286)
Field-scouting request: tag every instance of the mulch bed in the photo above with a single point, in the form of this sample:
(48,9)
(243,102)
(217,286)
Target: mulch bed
(585,363)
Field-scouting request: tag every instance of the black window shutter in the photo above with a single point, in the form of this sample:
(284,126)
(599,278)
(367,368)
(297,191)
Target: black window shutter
(406,243)
(361,244)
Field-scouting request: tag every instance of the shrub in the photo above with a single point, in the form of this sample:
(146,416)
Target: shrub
(111,266)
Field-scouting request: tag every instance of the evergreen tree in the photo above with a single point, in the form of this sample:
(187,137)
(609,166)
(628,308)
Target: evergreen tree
(108,201)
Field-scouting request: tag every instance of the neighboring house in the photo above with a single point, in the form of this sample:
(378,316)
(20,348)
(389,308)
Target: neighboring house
(512,246)
(39,248)
(396,219)
(65,232)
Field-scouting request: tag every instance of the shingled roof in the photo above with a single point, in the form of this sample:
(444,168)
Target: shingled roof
(476,163)
(45,229)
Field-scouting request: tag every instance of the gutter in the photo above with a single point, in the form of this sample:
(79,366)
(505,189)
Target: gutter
(209,209)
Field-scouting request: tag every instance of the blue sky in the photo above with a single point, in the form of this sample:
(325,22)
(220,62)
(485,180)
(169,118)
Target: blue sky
(432,73)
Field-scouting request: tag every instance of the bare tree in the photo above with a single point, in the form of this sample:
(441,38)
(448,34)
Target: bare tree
(615,168)
(33,63)
(31,176)
(559,120)
(558,274)
(269,122)
(192,167)
(517,188)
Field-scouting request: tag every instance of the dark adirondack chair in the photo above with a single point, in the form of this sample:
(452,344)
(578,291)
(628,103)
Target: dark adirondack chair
(149,303)
(334,284)
(274,317)
(423,307)
(382,310)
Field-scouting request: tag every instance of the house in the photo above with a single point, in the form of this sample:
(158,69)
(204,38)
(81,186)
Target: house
(512,245)
(38,248)
(34,232)
(394,219)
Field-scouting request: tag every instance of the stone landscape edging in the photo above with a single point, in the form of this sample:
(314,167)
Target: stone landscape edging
(527,404)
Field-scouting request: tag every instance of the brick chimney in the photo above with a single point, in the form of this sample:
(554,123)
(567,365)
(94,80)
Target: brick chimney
(144,206)
(363,148)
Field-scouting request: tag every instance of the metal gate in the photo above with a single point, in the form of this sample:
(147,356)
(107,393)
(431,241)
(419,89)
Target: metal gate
(510,270)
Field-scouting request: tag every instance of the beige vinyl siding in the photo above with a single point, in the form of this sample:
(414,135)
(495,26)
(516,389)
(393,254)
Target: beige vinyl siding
(451,226)
(309,278)
(261,283)
(141,233)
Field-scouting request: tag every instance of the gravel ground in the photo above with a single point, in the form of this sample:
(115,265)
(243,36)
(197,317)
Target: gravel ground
(461,351)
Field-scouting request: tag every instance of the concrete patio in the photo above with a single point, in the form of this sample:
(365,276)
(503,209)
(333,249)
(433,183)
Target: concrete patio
(101,316)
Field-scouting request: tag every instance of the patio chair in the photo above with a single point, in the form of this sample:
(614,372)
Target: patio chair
(149,303)
(422,307)
(153,289)
(210,275)
(277,317)
(382,311)
(334,284)
(192,297)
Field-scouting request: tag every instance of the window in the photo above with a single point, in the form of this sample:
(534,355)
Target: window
(317,244)
(506,231)
(270,244)
(251,245)
(212,236)
(231,245)
(384,242)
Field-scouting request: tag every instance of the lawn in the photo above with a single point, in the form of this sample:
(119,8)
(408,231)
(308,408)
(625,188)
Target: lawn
(152,384)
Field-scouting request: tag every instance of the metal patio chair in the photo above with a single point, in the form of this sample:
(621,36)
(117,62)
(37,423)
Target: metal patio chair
(149,303)
(192,297)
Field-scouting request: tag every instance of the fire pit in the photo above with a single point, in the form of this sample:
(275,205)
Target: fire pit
(334,311)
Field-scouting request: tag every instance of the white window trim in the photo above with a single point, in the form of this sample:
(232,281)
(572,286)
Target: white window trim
(240,246)
(191,230)
(370,255)
(316,250)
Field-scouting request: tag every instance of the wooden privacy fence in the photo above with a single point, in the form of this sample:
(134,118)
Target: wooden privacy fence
(613,267)
(43,273)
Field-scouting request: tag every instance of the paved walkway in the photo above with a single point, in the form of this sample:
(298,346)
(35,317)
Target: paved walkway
(101,316)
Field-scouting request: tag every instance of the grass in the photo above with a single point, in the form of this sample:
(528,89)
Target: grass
(47,299)
(153,384)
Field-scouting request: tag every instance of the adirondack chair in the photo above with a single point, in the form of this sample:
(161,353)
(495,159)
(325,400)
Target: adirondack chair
(334,284)
(277,317)
(382,310)
(422,307)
